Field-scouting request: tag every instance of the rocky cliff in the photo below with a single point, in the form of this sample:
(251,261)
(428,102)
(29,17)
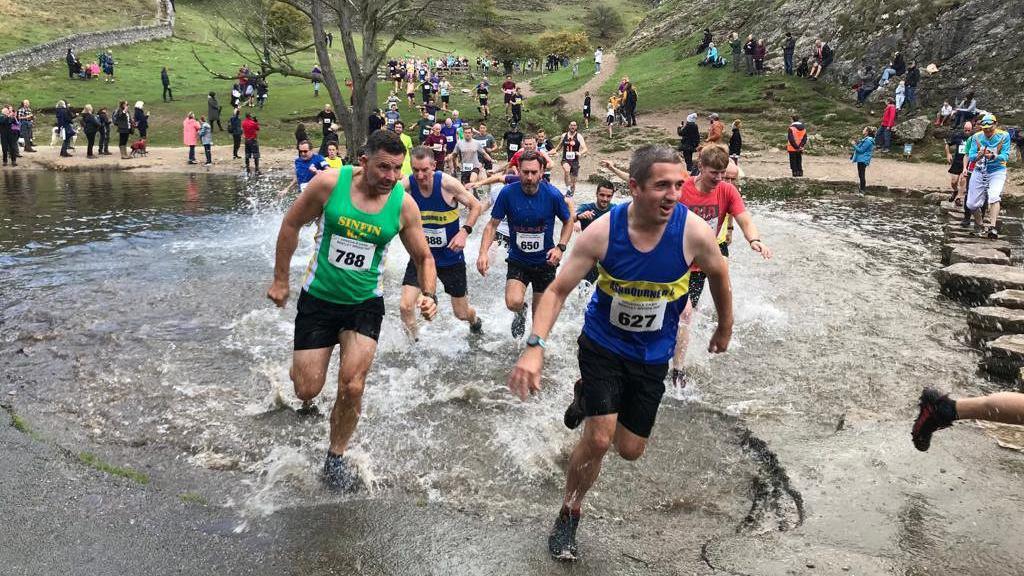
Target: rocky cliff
(975,45)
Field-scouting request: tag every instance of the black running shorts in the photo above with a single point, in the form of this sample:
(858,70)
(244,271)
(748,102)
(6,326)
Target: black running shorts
(614,385)
(483,101)
(574,166)
(444,98)
(698,279)
(453,278)
(319,324)
(539,276)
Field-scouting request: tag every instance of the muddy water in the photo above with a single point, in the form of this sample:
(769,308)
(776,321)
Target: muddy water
(134,319)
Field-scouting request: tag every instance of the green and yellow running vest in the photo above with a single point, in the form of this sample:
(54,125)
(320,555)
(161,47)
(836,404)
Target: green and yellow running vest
(351,245)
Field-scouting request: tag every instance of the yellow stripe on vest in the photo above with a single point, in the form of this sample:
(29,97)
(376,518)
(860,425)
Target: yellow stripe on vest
(642,290)
(439,218)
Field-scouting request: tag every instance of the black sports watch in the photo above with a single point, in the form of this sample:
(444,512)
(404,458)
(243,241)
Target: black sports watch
(535,340)
(468,229)
(431,295)
(561,247)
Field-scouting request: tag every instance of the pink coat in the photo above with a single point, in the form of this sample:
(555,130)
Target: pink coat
(191,127)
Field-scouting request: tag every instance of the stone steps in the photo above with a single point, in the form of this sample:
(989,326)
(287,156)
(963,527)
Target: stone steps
(1008,299)
(991,322)
(974,283)
(1004,356)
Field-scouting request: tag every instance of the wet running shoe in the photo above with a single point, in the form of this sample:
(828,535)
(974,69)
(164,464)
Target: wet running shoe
(339,474)
(938,411)
(519,323)
(679,379)
(965,223)
(562,540)
(574,413)
(477,327)
(992,234)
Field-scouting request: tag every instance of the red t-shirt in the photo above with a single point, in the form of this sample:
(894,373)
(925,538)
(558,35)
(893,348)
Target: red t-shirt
(508,86)
(436,142)
(723,200)
(250,128)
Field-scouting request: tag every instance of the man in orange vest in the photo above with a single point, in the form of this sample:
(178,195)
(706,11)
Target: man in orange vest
(796,141)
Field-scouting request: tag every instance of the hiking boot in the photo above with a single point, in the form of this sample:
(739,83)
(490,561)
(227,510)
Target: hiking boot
(992,234)
(574,413)
(937,411)
(966,222)
(519,323)
(562,540)
(477,327)
(340,475)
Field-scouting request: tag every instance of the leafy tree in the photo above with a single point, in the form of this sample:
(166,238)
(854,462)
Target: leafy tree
(604,22)
(288,27)
(481,13)
(564,43)
(505,47)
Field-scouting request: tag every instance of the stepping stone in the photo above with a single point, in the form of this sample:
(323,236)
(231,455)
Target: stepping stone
(974,283)
(1008,299)
(936,197)
(1004,356)
(957,231)
(954,243)
(977,254)
(991,322)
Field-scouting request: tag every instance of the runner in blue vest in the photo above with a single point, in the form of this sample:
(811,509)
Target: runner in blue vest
(530,206)
(643,250)
(438,196)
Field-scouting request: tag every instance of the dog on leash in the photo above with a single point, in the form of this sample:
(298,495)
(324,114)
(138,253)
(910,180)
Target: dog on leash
(139,148)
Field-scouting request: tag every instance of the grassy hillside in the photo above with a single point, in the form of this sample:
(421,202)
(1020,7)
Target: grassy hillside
(28,23)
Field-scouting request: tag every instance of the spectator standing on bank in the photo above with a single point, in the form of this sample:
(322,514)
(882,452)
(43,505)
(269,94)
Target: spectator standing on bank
(70,60)
(141,119)
(213,110)
(796,141)
(760,51)
(300,133)
(736,46)
(598,55)
(788,49)
(235,129)
(27,120)
(123,121)
(206,139)
(629,104)
(748,54)
(165,79)
(887,124)
(317,77)
(104,118)
(91,126)
(862,151)
(912,80)
(900,94)
(190,135)
(65,122)
(8,141)
(689,139)
(107,64)
(736,142)
(715,129)
(325,118)
(251,132)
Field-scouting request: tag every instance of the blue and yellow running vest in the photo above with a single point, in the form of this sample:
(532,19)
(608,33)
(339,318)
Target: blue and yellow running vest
(635,309)
(440,222)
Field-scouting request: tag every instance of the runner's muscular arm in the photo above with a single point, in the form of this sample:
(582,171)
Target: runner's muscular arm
(306,208)
(746,223)
(483,260)
(583,144)
(700,243)
(561,138)
(415,242)
(589,248)
(453,188)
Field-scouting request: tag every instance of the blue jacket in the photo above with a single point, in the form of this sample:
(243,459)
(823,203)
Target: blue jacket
(999,143)
(862,150)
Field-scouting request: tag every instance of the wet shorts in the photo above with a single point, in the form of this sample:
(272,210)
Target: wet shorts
(252,148)
(586,113)
(614,385)
(453,278)
(319,324)
(444,98)
(956,167)
(464,176)
(502,240)
(508,98)
(574,166)
(698,279)
(539,276)
(483,101)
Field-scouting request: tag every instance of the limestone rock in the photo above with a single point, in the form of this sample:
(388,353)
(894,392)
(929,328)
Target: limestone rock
(991,322)
(957,242)
(1004,356)
(977,254)
(935,197)
(913,130)
(1008,299)
(975,282)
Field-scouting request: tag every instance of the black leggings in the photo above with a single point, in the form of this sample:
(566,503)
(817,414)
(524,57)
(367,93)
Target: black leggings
(9,144)
(91,137)
(861,168)
(236,144)
(122,138)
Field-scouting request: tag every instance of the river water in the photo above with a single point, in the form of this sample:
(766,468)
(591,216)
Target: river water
(134,322)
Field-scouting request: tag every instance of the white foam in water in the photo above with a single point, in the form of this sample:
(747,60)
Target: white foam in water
(284,471)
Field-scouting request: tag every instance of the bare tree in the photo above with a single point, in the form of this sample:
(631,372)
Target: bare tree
(379,25)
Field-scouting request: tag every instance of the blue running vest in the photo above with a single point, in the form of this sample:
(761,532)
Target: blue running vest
(440,222)
(635,309)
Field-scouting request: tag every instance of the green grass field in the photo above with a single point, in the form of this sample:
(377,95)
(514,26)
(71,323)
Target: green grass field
(29,23)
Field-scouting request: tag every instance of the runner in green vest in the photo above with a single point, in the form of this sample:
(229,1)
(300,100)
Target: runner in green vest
(358,211)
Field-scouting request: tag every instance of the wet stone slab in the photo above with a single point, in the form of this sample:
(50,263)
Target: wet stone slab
(977,254)
(974,283)
(1008,299)
(973,242)
(991,322)
(1004,356)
